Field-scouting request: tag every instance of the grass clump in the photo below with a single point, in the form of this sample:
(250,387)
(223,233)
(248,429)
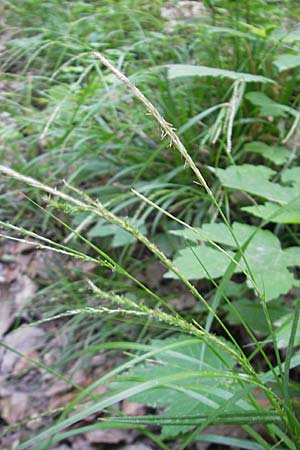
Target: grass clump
(189,160)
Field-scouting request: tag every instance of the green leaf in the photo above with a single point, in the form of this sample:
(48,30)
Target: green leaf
(283,332)
(292,256)
(253,314)
(267,261)
(275,153)
(187,261)
(108,400)
(185,70)
(268,107)
(259,32)
(274,213)
(287,36)
(292,176)
(218,232)
(256,181)
(200,394)
(287,61)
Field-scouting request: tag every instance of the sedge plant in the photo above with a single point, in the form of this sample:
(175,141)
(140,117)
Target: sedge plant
(196,370)
(199,377)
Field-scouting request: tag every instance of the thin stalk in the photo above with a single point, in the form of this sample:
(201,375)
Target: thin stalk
(168,130)
(294,422)
(99,210)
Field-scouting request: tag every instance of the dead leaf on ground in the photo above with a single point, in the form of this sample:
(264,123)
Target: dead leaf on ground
(98,360)
(81,266)
(49,265)
(6,309)
(13,298)
(22,364)
(108,436)
(61,447)
(137,446)
(154,274)
(17,258)
(11,442)
(24,289)
(25,340)
(61,400)
(79,443)
(57,387)
(100,390)
(185,301)
(133,409)
(13,409)
(79,377)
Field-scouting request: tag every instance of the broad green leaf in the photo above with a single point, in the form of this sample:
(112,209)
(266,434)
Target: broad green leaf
(283,333)
(272,283)
(275,153)
(186,70)
(287,36)
(219,232)
(287,61)
(256,181)
(292,176)
(268,107)
(253,314)
(214,263)
(292,256)
(267,261)
(280,214)
(202,394)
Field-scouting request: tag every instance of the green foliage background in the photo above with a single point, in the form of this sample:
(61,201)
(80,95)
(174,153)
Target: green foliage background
(226,77)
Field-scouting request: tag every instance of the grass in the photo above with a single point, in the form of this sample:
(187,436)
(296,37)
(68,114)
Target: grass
(137,162)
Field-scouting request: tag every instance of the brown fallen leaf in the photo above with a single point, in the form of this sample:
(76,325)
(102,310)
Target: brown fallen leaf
(49,265)
(133,409)
(81,266)
(25,340)
(137,446)
(17,258)
(154,274)
(13,409)
(24,288)
(183,301)
(22,364)
(61,400)
(61,447)
(14,296)
(6,309)
(79,443)
(58,387)
(108,436)
(9,443)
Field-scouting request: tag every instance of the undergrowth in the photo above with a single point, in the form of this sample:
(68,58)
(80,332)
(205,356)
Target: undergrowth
(138,139)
